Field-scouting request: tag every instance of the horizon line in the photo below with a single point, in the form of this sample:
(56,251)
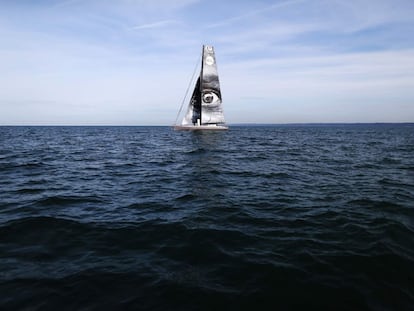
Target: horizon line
(229,124)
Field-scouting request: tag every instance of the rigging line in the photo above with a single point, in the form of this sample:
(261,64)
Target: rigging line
(188,88)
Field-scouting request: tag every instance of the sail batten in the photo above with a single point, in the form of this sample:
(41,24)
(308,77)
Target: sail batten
(205,107)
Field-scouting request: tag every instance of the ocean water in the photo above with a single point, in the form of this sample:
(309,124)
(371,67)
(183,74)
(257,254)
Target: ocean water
(256,218)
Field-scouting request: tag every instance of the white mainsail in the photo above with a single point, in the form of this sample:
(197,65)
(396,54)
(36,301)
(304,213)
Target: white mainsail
(211,104)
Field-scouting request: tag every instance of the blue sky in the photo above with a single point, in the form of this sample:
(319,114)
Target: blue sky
(129,62)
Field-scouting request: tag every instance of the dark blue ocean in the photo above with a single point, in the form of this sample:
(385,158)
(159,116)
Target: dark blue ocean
(308,217)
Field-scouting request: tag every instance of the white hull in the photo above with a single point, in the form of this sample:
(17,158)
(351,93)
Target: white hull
(200,127)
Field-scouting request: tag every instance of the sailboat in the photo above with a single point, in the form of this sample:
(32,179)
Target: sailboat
(205,111)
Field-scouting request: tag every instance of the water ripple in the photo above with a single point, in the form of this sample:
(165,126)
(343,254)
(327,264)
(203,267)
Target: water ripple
(271,217)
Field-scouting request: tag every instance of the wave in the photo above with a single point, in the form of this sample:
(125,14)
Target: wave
(255,218)
(60,200)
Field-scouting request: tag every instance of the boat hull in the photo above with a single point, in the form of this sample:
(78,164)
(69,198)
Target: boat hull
(200,128)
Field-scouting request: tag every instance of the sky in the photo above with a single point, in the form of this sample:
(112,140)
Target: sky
(129,62)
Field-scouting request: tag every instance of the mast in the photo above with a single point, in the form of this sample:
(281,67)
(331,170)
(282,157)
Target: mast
(201,84)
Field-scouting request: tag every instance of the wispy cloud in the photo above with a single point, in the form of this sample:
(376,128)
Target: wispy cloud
(65,3)
(353,87)
(158,24)
(250,14)
(357,15)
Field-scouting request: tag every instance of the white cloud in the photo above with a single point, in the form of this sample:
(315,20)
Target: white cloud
(158,24)
(254,13)
(370,87)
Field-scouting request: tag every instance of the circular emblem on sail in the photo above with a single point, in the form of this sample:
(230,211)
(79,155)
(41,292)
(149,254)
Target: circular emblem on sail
(209,48)
(209,60)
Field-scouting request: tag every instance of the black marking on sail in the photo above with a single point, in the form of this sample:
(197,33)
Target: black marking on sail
(196,102)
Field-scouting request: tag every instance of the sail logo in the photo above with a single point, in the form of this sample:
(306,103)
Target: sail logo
(209,60)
